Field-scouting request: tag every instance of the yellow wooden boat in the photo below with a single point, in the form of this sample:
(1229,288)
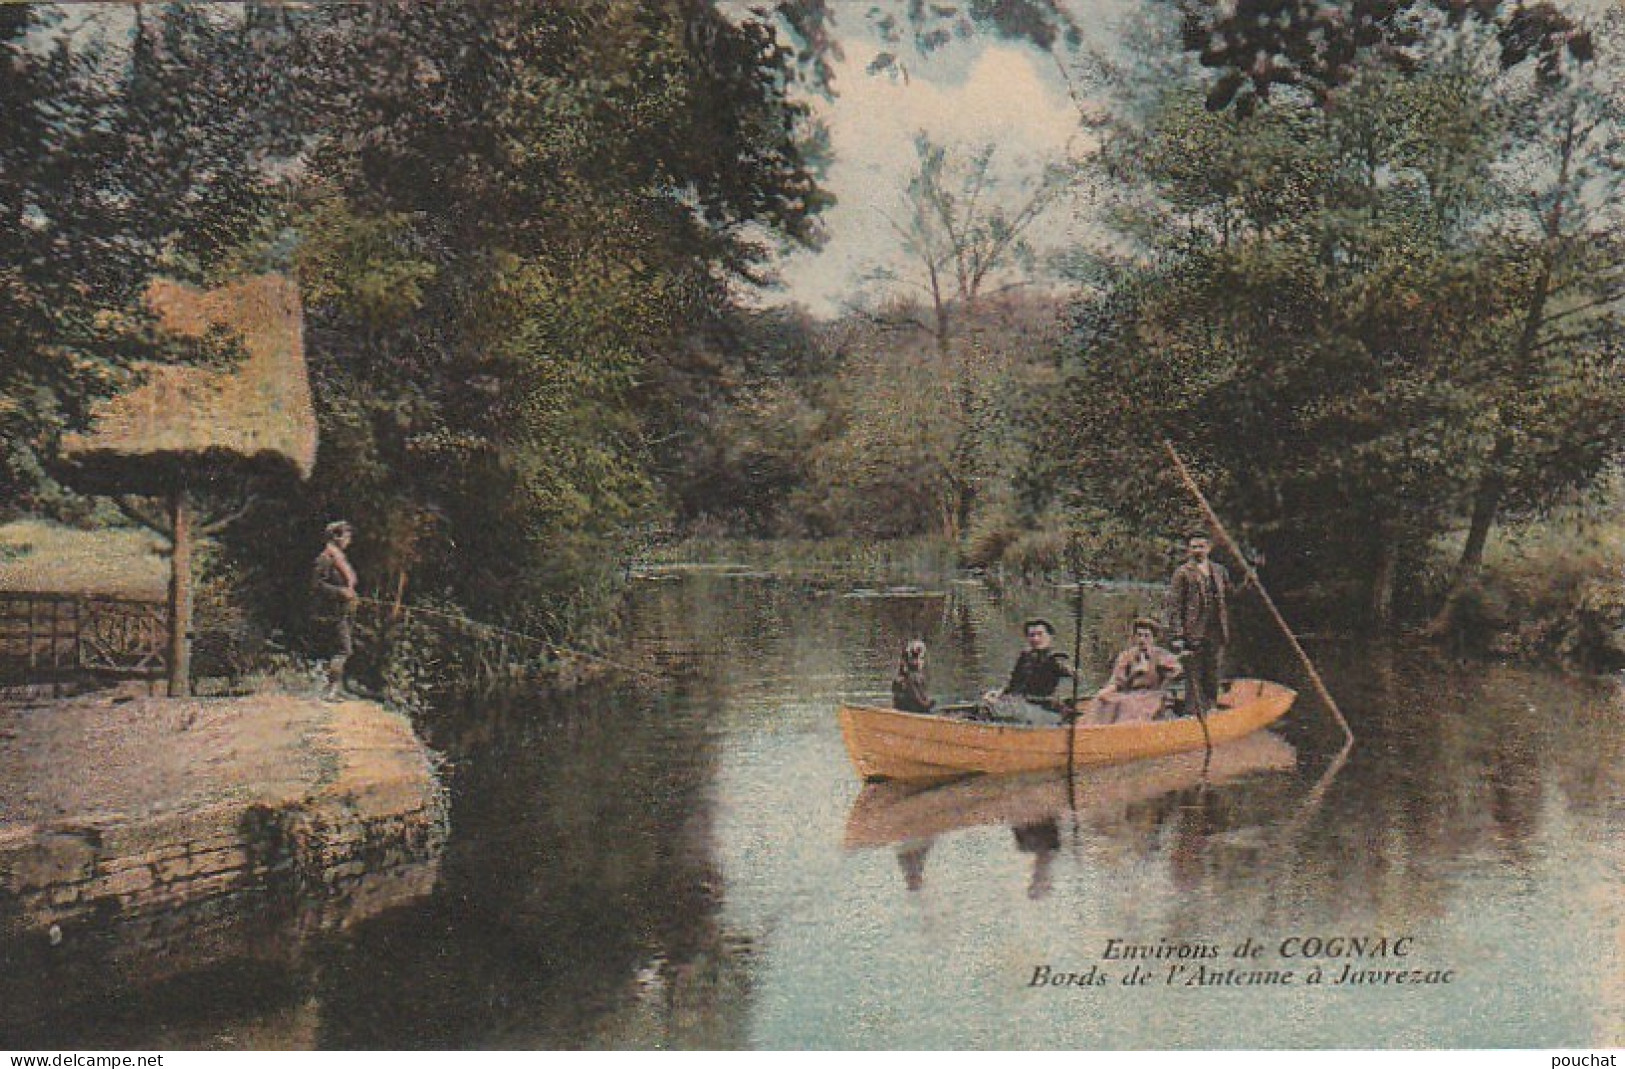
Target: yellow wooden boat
(895,811)
(891,744)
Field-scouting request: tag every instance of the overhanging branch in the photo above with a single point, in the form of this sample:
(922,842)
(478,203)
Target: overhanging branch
(144,514)
(220,523)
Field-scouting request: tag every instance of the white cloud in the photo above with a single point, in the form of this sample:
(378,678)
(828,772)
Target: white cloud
(971,92)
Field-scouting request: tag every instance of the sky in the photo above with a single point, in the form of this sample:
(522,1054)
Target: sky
(976,89)
(969,92)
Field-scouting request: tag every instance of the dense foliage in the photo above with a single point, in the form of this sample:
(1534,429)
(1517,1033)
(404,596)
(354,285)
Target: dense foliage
(505,219)
(1377,313)
(1255,46)
(1363,270)
(516,217)
(124,151)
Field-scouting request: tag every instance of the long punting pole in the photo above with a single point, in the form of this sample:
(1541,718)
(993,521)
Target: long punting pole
(1269,603)
(1077,666)
(1077,634)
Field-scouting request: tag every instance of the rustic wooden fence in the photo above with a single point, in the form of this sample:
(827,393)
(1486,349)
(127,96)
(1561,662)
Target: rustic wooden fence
(53,637)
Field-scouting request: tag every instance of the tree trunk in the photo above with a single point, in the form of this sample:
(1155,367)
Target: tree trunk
(400,594)
(180,595)
(965,501)
(940,328)
(1492,484)
(1486,505)
(947,510)
(1382,584)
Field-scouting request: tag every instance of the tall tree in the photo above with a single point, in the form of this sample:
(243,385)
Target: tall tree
(514,216)
(56,362)
(1552,384)
(1319,312)
(964,229)
(136,141)
(204,123)
(913,441)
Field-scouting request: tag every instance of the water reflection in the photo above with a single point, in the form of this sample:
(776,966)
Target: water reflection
(1104,798)
(1041,839)
(579,895)
(701,867)
(1451,820)
(911,859)
(1173,791)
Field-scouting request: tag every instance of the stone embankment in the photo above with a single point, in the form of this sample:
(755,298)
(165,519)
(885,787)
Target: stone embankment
(173,834)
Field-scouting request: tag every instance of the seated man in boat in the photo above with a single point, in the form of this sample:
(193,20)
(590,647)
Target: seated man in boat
(1138,691)
(908,689)
(1029,696)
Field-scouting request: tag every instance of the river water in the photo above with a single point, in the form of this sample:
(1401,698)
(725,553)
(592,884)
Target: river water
(696,864)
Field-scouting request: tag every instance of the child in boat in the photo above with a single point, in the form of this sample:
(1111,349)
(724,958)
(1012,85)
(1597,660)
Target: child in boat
(908,689)
(1138,691)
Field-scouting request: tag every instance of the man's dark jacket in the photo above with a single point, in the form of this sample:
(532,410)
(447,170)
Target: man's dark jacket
(1037,673)
(1198,608)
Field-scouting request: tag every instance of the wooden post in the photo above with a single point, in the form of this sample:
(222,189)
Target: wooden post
(33,651)
(180,595)
(400,597)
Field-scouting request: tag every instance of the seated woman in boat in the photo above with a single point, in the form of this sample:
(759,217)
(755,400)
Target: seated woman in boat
(1138,691)
(908,689)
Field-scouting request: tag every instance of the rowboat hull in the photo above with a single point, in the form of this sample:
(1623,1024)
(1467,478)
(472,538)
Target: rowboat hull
(891,744)
(895,811)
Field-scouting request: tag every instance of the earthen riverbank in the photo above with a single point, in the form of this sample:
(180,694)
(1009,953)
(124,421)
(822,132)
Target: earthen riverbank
(157,831)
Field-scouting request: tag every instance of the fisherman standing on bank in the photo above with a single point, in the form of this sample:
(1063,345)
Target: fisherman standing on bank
(333,583)
(1198,615)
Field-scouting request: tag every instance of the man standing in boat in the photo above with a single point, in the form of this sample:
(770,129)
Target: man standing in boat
(1029,696)
(1198,615)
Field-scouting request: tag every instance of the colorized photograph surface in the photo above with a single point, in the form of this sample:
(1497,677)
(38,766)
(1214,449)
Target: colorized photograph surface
(812,524)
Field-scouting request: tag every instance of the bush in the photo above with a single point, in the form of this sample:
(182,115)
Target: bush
(1097,544)
(1037,554)
(990,538)
(228,644)
(1551,589)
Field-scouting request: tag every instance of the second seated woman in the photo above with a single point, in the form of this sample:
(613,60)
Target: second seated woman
(1138,691)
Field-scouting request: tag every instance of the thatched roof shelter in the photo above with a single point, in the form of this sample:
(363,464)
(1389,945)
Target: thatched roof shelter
(184,426)
(168,430)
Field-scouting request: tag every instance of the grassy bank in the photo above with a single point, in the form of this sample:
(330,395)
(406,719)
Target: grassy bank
(1552,589)
(907,559)
(413,660)
(38,555)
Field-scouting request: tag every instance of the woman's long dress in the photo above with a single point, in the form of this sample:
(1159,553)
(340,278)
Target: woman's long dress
(1140,678)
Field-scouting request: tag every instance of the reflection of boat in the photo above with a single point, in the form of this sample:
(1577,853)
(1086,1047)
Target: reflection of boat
(896,811)
(890,744)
